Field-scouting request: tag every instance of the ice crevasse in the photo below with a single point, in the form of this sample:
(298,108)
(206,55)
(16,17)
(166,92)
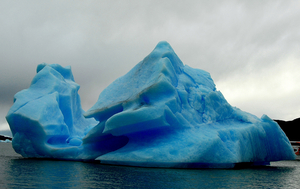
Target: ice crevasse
(160,114)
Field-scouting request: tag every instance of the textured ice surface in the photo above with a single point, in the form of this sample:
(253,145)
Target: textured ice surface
(160,114)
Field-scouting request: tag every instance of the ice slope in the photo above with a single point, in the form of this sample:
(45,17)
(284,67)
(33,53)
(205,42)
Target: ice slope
(160,114)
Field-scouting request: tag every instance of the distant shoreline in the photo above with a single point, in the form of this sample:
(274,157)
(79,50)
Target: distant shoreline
(4,138)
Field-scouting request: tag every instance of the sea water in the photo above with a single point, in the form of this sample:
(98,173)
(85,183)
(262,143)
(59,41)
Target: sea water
(18,172)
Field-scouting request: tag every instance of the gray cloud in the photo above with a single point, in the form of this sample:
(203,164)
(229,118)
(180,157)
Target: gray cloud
(102,40)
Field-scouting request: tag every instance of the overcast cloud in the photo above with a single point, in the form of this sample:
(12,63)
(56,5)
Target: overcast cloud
(250,48)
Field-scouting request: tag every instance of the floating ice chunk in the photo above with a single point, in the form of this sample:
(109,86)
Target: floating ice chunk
(160,114)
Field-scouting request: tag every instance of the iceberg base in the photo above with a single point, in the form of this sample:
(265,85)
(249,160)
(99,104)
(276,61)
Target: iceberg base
(180,165)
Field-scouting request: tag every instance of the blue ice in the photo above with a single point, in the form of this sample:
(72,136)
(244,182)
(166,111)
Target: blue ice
(160,114)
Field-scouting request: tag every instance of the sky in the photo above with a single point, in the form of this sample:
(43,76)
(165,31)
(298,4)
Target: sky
(250,48)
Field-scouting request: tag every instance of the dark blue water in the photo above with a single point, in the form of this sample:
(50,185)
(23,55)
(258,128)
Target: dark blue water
(16,172)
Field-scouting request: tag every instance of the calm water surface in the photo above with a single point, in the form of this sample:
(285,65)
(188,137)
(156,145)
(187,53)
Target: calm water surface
(16,172)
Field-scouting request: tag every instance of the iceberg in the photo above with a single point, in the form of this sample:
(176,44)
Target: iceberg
(162,113)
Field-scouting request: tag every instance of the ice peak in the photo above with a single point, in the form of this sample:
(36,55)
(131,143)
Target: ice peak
(163,45)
